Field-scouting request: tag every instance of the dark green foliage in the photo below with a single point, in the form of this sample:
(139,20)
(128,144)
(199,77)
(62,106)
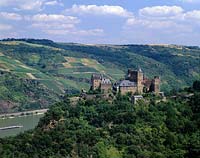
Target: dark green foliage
(100,129)
(196,85)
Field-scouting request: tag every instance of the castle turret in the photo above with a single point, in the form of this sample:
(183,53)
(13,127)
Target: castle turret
(156,84)
(96,81)
(140,78)
(137,77)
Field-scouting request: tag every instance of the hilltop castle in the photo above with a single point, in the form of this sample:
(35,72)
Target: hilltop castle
(135,82)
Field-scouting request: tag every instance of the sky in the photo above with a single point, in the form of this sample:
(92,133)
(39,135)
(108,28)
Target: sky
(103,21)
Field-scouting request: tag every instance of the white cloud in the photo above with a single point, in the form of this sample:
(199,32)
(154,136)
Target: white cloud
(162,24)
(131,21)
(23,4)
(8,34)
(31,5)
(36,5)
(151,24)
(54,25)
(161,11)
(90,32)
(54,22)
(192,15)
(164,17)
(10,16)
(58,24)
(100,10)
(55,18)
(5,27)
(53,3)
(190,1)
(6,2)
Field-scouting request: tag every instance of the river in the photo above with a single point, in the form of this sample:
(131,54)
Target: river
(27,121)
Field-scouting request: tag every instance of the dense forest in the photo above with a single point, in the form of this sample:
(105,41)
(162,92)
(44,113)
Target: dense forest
(55,69)
(114,129)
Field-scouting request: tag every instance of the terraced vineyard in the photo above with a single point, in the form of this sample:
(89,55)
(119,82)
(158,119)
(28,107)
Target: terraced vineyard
(54,69)
(64,73)
(55,74)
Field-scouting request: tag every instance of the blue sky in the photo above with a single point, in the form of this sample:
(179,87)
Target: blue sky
(103,21)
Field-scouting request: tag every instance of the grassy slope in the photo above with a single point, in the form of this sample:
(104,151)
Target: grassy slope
(67,67)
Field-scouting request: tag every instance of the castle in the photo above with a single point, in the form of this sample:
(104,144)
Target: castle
(135,82)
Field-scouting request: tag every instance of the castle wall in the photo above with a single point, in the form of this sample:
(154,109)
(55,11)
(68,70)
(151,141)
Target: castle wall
(96,84)
(132,76)
(125,90)
(105,88)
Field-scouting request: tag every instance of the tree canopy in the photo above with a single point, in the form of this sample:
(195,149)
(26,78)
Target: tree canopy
(118,129)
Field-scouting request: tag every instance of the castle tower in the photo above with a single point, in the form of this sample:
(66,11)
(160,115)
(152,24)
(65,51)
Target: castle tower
(156,84)
(95,81)
(140,78)
(137,77)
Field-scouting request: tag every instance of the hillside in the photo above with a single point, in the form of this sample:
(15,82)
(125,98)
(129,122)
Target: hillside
(100,129)
(61,68)
(19,94)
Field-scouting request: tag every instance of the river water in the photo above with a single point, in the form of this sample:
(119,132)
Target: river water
(28,122)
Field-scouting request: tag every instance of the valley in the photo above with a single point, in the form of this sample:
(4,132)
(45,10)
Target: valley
(37,73)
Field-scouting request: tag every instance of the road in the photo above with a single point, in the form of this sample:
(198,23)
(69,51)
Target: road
(23,113)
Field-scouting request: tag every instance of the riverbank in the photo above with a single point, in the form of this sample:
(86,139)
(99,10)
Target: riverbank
(27,121)
(24,113)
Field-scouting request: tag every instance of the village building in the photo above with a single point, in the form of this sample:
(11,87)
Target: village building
(135,98)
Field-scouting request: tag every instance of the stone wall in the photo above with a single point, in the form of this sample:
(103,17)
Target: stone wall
(105,88)
(125,90)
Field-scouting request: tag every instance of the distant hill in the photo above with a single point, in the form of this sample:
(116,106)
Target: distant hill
(60,68)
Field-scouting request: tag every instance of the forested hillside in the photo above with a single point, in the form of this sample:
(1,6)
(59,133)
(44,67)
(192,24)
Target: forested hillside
(19,94)
(66,68)
(101,129)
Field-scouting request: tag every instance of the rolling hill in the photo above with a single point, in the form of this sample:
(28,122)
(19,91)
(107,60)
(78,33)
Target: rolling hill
(36,73)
